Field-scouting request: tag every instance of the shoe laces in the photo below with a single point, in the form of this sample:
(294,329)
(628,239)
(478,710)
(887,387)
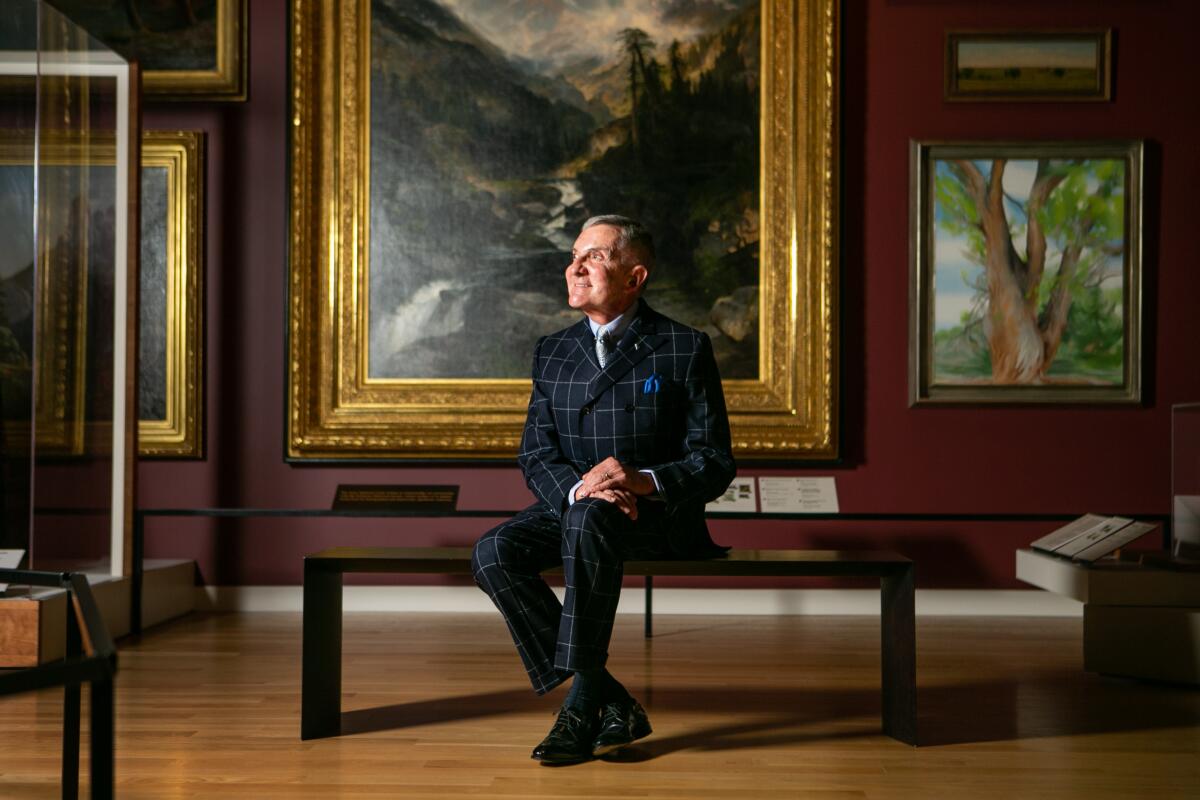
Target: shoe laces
(567,717)
(614,713)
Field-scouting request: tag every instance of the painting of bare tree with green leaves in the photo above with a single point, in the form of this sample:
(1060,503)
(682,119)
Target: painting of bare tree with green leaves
(1028,270)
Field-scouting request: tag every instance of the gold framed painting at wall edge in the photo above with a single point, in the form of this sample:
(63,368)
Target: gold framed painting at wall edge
(335,411)
(227,80)
(1079,76)
(179,433)
(1075,382)
(63,286)
(60,321)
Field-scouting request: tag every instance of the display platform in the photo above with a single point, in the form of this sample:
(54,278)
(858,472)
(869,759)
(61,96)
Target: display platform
(33,623)
(1138,621)
(29,634)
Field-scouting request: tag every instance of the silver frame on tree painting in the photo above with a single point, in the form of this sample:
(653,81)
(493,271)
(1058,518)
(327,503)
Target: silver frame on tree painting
(1022,334)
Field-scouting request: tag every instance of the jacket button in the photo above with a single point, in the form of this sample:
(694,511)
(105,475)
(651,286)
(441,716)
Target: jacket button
(629,408)
(587,410)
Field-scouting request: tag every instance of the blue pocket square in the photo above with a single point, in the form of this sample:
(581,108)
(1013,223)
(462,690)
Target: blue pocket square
(652,384)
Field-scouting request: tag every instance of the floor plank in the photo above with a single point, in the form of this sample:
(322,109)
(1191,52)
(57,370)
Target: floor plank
(436,705)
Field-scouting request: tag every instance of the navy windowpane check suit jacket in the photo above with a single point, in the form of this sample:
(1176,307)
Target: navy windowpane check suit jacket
(657,404)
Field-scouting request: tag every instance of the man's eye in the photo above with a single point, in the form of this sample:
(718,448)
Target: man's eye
(596,255)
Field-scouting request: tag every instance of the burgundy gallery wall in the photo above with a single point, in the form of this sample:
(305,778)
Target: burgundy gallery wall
(897,459)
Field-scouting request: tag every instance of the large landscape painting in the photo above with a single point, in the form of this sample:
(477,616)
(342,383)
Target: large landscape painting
(498,126)
(444,154)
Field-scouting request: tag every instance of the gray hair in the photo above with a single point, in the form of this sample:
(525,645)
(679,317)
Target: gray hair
(632,237)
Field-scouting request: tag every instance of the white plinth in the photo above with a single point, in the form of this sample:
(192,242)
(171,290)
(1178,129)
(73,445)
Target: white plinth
(1139,621)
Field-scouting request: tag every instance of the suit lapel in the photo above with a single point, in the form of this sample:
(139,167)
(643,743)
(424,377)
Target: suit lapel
(583,338)
(638,342)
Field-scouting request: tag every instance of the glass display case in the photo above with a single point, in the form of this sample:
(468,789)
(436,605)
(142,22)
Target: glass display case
(68,194)
(1185,481)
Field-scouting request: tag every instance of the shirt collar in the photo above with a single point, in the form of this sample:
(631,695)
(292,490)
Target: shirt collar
(616,328)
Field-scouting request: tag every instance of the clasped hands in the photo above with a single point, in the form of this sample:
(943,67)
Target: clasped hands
(620,485)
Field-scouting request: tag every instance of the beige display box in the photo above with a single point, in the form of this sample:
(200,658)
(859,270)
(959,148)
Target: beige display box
(32,629)
(1138,621)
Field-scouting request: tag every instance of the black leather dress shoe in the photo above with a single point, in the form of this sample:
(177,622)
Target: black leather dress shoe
(569,741)
(621,723)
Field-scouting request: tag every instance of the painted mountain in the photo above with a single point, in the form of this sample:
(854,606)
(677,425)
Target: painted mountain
(499,126)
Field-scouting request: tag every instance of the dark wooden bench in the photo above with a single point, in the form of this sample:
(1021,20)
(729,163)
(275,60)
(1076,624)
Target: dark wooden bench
(321,693)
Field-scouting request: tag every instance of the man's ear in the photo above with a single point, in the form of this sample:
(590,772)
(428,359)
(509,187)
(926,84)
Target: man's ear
(637,276)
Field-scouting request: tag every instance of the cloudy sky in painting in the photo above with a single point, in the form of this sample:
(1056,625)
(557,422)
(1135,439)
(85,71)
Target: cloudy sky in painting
(951,294)
(559,32)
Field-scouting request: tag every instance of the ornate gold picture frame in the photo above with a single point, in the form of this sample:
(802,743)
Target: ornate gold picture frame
(338,410)
(192,50)
(52,336)
(171,344)
(170,280)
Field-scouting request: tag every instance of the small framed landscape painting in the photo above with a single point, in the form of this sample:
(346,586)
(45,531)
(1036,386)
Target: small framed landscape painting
(1029,65)
(1025,272)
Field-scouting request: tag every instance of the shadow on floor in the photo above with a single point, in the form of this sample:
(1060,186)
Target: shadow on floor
(1038,706)
(1049,705)
(446,709)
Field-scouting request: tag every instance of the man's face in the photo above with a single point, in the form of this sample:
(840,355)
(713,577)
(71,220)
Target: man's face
(599,282)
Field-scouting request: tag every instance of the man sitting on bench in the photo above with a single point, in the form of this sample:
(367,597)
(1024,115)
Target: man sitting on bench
(626,440)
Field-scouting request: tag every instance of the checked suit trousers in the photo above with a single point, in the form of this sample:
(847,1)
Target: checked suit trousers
(591,541)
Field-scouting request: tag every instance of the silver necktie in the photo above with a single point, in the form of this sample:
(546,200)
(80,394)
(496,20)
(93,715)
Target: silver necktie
(604,346)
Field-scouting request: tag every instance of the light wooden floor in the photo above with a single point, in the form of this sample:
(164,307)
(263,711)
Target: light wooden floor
(743,707)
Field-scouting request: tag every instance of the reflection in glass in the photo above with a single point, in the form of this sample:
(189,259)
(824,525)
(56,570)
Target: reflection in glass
(18,119)
(1185,480)
(64,155)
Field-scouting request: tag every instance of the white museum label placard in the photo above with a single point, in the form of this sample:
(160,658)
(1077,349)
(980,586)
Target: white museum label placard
(742,495)
(797,495)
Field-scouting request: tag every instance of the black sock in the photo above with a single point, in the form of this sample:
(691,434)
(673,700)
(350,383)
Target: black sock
(593,688)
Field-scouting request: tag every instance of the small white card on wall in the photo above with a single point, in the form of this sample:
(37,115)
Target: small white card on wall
(798,495)
(740,496)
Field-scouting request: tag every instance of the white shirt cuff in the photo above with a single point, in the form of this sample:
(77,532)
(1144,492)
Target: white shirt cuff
(658,492)
(657,488)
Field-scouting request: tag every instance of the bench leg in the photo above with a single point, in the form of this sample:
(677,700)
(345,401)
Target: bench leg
(899,659)
(71,704)
(70,748)
(321,664)
(102,731)
(649,606)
